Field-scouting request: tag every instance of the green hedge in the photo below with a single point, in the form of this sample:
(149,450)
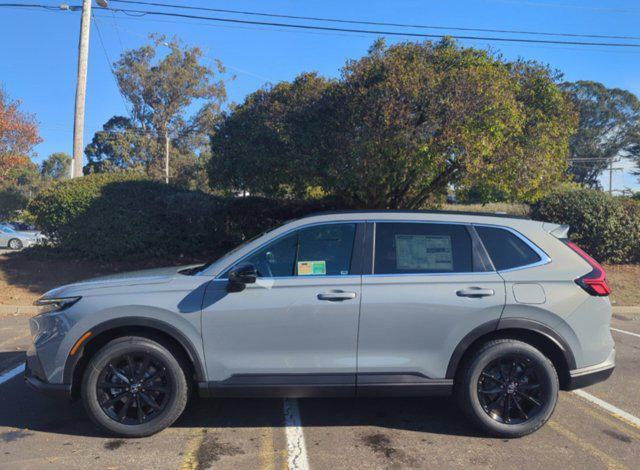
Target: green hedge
(607,227)
(117,216)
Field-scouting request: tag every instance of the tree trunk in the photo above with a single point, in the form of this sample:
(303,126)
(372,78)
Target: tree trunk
(166,156)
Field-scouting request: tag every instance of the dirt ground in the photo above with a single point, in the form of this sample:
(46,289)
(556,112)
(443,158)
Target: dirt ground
(25,276)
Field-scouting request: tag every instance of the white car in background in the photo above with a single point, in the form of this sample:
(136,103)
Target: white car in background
(16,240)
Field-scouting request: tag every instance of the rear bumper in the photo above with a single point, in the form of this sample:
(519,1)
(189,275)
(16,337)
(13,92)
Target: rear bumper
(580,378)
(34,377)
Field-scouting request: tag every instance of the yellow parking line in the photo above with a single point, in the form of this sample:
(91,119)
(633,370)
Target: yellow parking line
(267,454)
(608,418)
(609,461)
(190,459)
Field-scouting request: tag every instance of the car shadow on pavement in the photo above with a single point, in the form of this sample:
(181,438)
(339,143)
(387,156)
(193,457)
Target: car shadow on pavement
(23,408)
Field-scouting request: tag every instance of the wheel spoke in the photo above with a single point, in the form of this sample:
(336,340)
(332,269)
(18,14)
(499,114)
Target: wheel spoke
(528,386)
(118,374)
(519,407)
(506,409)
(156,388)
(156,374)
(113,400)
(122,414)
(149,401)
(491,391)
(143,367)
(528,397)
(111,385)
(132,367)
(491,377)
(141,413)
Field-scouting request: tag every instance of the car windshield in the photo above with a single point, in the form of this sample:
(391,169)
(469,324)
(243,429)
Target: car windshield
(7,229)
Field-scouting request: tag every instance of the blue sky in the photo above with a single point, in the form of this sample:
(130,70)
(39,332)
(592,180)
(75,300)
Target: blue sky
(39,48)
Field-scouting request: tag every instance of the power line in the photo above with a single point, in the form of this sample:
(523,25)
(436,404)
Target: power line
(369,31)
(375,23)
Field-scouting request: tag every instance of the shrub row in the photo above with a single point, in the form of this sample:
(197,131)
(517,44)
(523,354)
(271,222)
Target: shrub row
(607,227)
(117,216)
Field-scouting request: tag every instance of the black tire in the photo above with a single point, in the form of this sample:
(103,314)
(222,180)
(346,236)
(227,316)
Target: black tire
(499,385)
(15,244)
(162,383)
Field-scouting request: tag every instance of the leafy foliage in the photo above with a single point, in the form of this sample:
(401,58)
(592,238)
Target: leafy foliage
(118,216)
(400,125)
(609,127)
(56,166)
(607,227)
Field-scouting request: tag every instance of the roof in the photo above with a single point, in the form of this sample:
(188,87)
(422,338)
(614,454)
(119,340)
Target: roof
(400,211)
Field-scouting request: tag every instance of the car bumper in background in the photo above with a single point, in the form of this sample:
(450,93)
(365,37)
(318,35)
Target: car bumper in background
(580,378)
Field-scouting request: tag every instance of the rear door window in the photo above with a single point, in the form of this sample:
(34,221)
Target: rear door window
(406,248)
(506,250)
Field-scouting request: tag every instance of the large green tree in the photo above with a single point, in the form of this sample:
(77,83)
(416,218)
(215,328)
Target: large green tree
(174,101)
(609,128)
(399,127)
(56,166)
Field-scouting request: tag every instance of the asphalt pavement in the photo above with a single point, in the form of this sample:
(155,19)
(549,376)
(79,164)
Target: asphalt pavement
(599,428)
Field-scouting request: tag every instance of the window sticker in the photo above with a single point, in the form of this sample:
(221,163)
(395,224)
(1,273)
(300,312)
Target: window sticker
(424,252)
(312,268)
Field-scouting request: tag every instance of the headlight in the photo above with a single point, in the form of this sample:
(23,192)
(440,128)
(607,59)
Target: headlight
(55,304)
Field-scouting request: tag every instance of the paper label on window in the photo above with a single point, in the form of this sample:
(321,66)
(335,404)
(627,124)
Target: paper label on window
(424,252)
(311,268)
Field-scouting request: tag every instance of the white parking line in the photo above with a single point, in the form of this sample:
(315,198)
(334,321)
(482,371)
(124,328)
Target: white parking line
(625,332)
(296,448)
(6,376)
(614,410)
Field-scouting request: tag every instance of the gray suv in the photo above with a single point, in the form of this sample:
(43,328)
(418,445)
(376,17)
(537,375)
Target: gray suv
(502,312)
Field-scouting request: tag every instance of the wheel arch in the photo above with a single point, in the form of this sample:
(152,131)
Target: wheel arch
(539,335)
(143,326)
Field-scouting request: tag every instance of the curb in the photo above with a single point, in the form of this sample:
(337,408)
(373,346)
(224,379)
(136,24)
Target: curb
(18,309)
(627,310)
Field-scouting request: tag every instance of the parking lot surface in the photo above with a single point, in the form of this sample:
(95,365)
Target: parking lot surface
(323,433)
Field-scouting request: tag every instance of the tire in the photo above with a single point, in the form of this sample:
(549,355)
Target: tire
(488,380)
(127,408)
(15,244)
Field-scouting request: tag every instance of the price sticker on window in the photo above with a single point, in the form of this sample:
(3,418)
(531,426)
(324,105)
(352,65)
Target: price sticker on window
(312,268)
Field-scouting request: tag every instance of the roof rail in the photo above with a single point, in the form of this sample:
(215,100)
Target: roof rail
(401,211)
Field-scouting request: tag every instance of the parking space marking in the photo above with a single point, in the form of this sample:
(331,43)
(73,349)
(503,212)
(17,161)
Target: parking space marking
(609,461)
(190,461)
(625,332)
(6,376)
(267,454)
(296,448)
(607,419)
(614,410)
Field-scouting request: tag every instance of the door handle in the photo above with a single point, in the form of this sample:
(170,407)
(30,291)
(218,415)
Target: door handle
(337,296)
(475,292)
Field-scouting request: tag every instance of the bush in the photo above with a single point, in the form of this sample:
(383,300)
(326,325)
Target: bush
(607,227)
(117,216)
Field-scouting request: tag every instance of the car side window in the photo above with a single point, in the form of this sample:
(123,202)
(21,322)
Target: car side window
(405,248)
(505,249)
(321,250)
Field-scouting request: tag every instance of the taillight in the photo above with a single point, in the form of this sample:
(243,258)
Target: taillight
(594,282)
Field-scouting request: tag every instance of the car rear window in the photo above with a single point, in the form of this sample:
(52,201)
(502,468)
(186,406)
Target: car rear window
(506,250)
(404,248)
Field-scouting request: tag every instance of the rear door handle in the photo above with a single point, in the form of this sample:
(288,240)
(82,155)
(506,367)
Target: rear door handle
(337,296)
(475,292)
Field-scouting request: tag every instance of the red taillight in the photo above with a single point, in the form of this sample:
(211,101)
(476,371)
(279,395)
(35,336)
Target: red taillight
(595,282)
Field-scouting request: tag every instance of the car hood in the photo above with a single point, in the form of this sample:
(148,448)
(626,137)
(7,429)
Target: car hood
(131,278)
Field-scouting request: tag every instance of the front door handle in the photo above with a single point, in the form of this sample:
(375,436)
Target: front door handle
(336,296)
(475,292)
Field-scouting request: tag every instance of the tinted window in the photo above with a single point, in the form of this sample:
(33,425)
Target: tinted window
(506,249)
(314,251)
(422,248)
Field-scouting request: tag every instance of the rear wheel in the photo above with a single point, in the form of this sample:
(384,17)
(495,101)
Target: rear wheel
(508,388)
(134,387)
(15,244)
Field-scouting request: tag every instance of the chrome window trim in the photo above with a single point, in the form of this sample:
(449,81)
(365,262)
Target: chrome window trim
(284,234)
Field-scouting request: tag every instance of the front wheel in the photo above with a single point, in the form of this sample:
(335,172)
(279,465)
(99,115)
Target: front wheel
(15,244)
(508,388)
(134,387)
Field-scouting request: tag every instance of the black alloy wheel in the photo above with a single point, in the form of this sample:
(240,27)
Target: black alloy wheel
(134,388)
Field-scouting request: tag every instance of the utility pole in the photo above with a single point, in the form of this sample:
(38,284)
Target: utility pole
(166,156)
(81,85)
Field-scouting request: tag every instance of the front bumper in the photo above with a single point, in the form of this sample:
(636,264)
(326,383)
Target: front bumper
(34,376)
(580,378)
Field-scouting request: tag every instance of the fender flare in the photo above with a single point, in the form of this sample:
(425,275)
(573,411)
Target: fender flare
(504,324)
(166,328)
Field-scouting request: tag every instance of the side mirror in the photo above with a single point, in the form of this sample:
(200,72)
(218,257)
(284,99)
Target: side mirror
(240,276)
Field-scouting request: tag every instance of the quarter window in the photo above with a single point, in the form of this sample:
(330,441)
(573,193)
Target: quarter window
(422,248)
(506,250)
(315,251)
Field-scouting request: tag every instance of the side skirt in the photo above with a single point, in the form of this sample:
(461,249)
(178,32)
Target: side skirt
(326,385)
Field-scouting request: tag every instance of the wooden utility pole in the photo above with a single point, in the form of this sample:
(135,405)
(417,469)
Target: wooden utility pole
(81,90)
(166,156)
